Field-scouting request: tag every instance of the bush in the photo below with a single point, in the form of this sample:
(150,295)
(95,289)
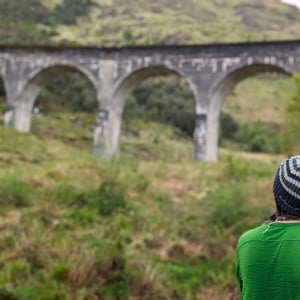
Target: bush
(28,11)
(70,10)
(110,196)
(166,100)
(63,194)
(228,126)
(254,137)
(14,191)
(59,271)
(6,294)
(72,91)
(18,271)
(257,138)
(41,290)
(105,200)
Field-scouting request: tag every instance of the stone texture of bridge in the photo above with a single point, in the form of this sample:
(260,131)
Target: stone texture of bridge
(211,71)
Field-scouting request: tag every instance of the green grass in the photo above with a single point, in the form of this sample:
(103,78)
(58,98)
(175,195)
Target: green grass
(259,99)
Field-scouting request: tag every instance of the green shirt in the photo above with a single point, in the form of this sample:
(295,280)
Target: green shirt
(268,262)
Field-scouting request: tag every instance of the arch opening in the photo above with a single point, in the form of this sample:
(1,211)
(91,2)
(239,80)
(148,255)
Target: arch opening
(249,103)
(63,105)
(159,116)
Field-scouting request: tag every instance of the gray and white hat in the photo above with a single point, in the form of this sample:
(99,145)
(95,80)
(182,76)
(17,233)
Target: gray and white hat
(286,187)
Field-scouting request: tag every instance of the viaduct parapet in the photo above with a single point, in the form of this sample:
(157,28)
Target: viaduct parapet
(211,71)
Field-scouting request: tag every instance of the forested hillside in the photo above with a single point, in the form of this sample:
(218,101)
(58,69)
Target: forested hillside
(142,22)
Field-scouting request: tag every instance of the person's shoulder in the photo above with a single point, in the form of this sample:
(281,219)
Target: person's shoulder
(252,234)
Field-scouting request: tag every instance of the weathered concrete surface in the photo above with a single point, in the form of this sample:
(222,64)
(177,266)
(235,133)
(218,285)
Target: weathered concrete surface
(211,71)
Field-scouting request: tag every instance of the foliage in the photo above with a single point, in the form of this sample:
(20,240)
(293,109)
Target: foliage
(5,294)
(31,11)
(70,10)
(251,137)
(291,137)
(41,290)
(257,138)
(228,126)
(164,100)
(105,200)
(14,191)
(70,91)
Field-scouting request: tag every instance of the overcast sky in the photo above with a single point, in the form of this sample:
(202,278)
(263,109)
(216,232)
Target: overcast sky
(293,2)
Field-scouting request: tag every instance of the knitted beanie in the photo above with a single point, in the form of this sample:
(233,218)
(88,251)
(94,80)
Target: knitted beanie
(286,187)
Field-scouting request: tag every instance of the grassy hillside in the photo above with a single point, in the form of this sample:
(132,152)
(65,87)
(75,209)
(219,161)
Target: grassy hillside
(260,99)
(183,22)
(131,22)
(145,227)
(154,224)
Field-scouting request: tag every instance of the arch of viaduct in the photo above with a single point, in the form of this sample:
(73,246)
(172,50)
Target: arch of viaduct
(211,71)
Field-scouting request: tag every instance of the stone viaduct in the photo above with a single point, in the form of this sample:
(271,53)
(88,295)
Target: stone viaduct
(211,71)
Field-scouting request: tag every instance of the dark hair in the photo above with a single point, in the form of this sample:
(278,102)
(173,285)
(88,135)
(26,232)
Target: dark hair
(279,213)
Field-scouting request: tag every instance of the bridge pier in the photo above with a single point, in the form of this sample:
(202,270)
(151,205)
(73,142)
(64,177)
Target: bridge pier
(107,133)
(200,136)
(23,108)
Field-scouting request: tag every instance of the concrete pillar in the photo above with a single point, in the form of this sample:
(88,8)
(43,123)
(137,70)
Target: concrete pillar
(213,129)
(11,89)
(100,133)
(8,118)
(107,133)
(200,137)
(22,116)
(201,87)
(23,108)
(213,118)
(108,124)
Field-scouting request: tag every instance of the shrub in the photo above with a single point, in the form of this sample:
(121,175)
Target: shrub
(84,215)
(109,197)
(18,271)
(72,86)
(166,100)
(41,290)
(63,194)
(69,10)
(29,11)
(6,294)
(59,271)
(14,191)
(257,138)
(228,126)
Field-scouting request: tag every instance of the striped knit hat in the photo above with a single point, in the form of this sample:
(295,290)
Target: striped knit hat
(286,187)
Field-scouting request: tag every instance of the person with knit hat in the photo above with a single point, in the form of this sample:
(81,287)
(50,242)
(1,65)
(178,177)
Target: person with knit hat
(268,256)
